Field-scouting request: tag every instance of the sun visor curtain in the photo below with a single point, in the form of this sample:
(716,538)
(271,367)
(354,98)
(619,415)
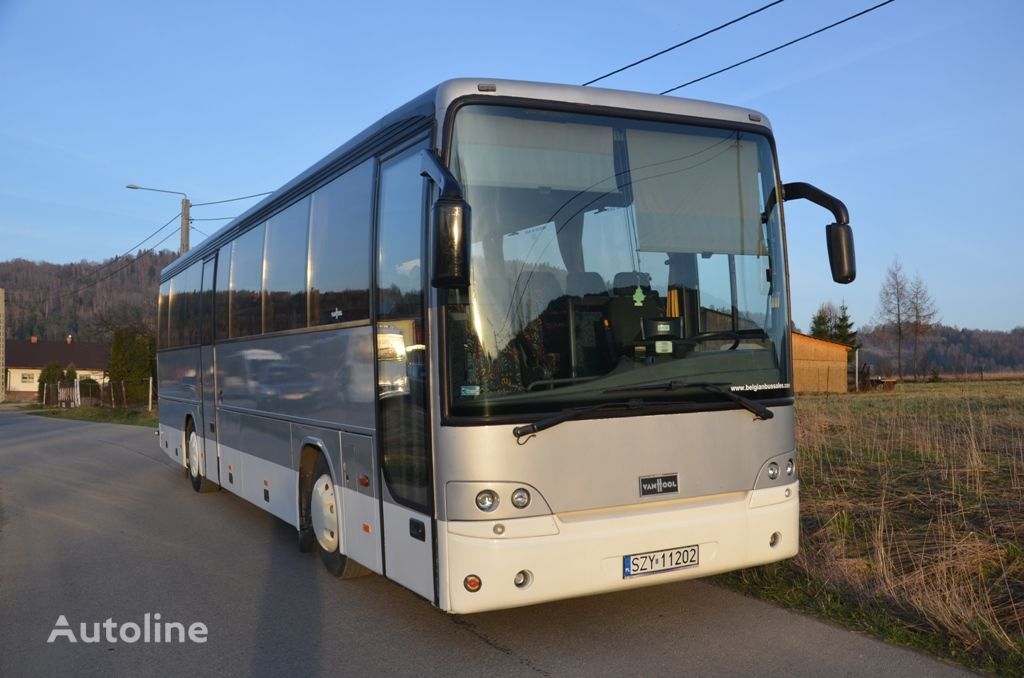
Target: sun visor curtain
(501,151)
(702,186)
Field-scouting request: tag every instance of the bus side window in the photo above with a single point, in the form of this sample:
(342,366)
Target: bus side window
(284,271)
(339,248)
(246,283)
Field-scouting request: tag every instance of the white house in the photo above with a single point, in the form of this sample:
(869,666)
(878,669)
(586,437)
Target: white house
(27,358)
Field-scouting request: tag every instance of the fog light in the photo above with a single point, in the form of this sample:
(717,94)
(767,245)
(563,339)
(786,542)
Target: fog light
(487,500)
(523,579)
(472,583)
(790,467)
(521,498)
(773,473)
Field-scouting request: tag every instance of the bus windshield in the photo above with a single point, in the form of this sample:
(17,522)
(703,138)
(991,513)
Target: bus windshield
(611,252)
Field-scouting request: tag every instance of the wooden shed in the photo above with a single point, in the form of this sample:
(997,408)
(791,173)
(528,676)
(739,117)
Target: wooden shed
(819,366)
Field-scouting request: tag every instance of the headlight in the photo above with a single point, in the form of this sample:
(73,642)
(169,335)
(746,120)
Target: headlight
(521,498)
(790,467)
(487,500)
(773,473)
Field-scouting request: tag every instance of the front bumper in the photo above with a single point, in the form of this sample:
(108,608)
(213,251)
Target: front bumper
(579,554)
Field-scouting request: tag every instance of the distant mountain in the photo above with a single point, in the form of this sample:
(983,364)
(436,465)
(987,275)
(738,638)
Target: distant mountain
(950,349)
(84,299)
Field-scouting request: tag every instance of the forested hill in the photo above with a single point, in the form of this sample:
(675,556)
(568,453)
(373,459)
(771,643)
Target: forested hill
(951,350)
(84,299)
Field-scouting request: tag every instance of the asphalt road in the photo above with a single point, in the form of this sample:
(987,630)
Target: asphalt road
(96,523)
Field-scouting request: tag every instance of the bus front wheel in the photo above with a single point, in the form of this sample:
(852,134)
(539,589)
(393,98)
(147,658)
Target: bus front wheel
(324,510)
(199,483)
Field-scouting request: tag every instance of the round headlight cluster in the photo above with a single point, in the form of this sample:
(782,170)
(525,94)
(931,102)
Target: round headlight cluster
(488,500)
(773,470)
(790,467)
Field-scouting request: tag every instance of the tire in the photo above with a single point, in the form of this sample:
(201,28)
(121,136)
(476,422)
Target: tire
(324,512)
(199,483)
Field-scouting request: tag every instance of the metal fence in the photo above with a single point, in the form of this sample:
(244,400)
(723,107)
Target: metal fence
(131,394)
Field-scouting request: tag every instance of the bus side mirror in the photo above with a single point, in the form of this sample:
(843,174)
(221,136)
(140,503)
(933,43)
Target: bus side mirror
(838,236)
(451,225)
(841,257)
(451,243)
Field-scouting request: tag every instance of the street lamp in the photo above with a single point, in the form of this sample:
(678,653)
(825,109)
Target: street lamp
(185,205)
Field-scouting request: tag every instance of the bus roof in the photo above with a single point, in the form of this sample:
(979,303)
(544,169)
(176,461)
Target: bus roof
(432,105)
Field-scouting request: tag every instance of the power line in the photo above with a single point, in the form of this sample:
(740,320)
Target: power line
(213,219)
(684,42)
(115,272)
(244,197)
(117,258)
(782,46)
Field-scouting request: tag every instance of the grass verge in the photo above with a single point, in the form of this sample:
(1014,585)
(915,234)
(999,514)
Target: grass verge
(104,415)
(912,520)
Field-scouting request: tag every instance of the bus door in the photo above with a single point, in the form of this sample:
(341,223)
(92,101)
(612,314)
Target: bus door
(403,441)
(207,392)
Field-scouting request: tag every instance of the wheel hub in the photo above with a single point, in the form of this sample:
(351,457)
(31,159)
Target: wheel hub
(323,509)
(193,454)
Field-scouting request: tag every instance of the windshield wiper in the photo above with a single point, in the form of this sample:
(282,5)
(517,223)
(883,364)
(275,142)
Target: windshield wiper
(718,387)
(569,415)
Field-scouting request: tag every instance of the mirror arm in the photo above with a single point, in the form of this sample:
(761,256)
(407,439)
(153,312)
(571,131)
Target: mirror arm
(838,235)
(431,167)
(800,190)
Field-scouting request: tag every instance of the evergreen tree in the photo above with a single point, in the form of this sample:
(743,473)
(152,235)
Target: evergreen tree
(842,328)
(133,360)
(823,321)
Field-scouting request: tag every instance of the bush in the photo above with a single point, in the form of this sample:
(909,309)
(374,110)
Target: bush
(51,374)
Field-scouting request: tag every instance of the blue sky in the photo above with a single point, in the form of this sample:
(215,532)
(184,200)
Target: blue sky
(907,114)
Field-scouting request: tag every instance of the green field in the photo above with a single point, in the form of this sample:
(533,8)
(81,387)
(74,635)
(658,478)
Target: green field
(912,519)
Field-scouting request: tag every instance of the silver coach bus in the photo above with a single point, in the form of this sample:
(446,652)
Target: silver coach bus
(515,342)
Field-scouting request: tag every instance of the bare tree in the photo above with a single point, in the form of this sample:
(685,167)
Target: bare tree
(921,314)
(893,300)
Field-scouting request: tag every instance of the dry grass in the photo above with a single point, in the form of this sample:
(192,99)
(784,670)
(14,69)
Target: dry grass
(912,515)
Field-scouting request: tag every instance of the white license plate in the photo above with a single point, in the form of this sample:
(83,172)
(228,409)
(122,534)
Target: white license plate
(652,562)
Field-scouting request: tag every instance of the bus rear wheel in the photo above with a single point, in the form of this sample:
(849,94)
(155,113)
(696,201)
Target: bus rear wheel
(324,513)
(199,483)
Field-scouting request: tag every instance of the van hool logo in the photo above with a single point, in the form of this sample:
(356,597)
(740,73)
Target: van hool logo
(151,630)
(659,484)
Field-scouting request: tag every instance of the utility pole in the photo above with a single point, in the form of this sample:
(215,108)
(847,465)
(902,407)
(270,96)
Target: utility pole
(185,205)
(3,350)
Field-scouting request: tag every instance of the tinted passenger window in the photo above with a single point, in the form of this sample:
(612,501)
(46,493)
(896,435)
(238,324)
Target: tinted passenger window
(246,283)
(161,315)
(223,283)
(339,248)
(183,312)
(284,307)
(206,303)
